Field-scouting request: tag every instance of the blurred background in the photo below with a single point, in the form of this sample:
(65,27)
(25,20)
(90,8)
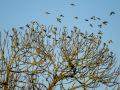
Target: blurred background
(20,13)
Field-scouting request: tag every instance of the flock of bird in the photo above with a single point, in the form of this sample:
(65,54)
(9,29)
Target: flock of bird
(59,20)
(105,22)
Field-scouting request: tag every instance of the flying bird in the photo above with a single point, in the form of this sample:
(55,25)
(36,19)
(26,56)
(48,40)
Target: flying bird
(93,17)
(98,18)
(110,41)
(65,27)
(105,22)
(112,13)
(61,16)
(75,27)
(13,28)
(55,28)
(91,25)
(86,20)
(99,26)
(58,20)
(76,17)
(72,4)
(68,37)
(47,12)
(100,32)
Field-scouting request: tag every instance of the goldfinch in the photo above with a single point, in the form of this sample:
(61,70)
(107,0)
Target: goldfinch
(28,26)
(61,16)
(96,36)
(13,28)
(91,35)
(47,12)
(81,33)
(110,41)
(64,27)
(58,20)
(49,36)
(105,22)
(100,32)
(68,37)
(21,28)
(55,28)
(112,13)
(100,37)
(91,25)
(76,17)
(86,20)
(98,18)
(86,33)
(93,17)
(99,26)
(72,4)
(75,27)
(42,25)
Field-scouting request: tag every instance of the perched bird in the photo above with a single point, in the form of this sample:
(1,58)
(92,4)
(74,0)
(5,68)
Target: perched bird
(110,41)
(81,33)
(91,35)
(100,37)
(112,13)
(48,36)
(44,30)
(96,36)
(99,26)
(55,28)
(61,16)
(68,37)
(13,28)
(91,25)
(100,32)
(86,20)
(76,17)
(72,4)
(21,28)
(64,27)
(33,23)
(47,12)
(105,22)
(58,20)
(28,26)
(104,44)
(42,25)
(93,17)
(86,33)
(98,18)
(75,27)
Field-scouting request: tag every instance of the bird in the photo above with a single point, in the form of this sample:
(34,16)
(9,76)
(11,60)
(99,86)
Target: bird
(68,37)
(96,36)
(112,13)
(100,37)
(98,18)
(55,28)
(58,20)
(100,32)
(110,41)
(64,27)
(86,20)
(81,33)
(76,17)
(48,36)
(91,35)
(86,33)
(99,26)
(72,4)
(105,22)
(54,76)
(75,27)
(91,25)
(93,17)
(28,26)
(13,28)
(47,12)
(21,28)
(42,25)
(61,16)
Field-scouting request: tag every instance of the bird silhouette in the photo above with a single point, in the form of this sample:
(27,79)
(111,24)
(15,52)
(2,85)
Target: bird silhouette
(47,12)
(112,13)
(91,25)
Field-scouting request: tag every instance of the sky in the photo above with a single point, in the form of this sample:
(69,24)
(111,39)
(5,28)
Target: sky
(19,13)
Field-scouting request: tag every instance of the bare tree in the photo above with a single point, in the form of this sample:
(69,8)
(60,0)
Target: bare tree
(45,59)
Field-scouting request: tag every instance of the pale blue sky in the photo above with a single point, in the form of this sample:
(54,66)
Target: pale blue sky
(19,13)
